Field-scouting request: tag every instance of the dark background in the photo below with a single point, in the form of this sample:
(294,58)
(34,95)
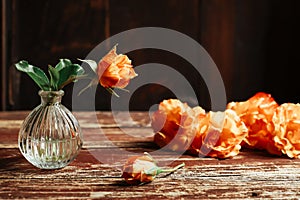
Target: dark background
(255,44)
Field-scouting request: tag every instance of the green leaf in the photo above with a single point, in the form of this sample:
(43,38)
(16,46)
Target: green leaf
(35,73)
(69,74)
(91,63)
(54,77)
(62,64)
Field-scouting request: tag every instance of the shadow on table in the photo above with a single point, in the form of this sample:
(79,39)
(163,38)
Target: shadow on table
(12,162)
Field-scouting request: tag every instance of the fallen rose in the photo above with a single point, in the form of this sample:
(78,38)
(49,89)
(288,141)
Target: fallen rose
(143,169)
(174,124)
(257,113)
(287,129)
(168,116)
(224,135)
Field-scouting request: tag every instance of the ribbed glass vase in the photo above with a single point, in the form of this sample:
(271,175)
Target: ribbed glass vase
(50,136)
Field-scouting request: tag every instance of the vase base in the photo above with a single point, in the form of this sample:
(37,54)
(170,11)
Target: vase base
(51,166)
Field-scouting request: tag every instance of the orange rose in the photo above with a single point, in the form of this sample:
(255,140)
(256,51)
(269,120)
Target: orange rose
(202,125)
(257,113)
(220,135)
(168,116)
(139,169)
(115,70)
(287,129)
(143,169)
(172,124)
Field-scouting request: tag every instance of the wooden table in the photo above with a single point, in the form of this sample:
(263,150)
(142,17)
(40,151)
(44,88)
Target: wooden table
(251,174)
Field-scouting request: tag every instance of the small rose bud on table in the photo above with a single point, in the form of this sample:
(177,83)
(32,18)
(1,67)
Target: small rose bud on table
(143,169)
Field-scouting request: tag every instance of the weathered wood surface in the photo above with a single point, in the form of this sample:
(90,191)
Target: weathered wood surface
(251,174)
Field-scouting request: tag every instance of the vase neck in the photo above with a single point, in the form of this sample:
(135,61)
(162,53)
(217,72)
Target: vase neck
(51,97)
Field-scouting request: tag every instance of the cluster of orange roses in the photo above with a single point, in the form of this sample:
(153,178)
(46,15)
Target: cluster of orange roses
(257,123)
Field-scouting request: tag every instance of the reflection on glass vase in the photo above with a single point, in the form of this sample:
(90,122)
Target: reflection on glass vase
(50,136)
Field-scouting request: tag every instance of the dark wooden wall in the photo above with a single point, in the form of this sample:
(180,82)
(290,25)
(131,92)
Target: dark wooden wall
(254,43)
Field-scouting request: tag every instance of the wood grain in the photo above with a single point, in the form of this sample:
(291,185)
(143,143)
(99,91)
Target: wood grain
(251,174)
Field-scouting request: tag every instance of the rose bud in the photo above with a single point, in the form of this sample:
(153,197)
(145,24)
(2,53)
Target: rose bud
(287,129)
(143,169)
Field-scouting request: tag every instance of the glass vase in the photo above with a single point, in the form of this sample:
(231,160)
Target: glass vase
(50,136)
